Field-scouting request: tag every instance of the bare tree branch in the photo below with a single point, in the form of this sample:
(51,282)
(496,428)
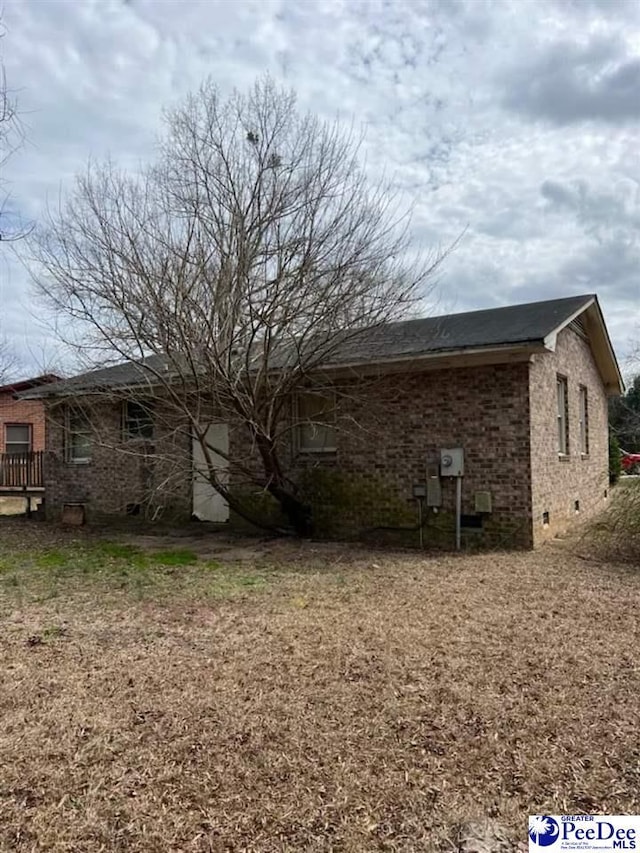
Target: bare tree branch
(247,256)
(8,361)
(11,138)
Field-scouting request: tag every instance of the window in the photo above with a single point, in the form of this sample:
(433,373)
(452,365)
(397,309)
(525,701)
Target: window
(316,427)
(563,420)
(137,421)
(78,437)
(584,421)
(17,438)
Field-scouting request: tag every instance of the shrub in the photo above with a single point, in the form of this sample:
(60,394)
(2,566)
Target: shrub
(615,535)
(625,516)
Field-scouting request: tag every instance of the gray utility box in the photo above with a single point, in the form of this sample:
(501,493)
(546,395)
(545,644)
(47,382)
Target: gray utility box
(483,502)
(434,492)
(452,462)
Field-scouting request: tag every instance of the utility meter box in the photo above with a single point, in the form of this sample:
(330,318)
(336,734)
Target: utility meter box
(452,462)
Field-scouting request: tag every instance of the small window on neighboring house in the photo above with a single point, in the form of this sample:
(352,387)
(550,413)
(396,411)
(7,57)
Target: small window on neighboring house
(78,437)
(17,438)
(316,426)
(137,421)
(584,421)
(563,419)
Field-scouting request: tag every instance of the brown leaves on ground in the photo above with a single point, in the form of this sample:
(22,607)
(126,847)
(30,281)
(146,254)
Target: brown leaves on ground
(429,703)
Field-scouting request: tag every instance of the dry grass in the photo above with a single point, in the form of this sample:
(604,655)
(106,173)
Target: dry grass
(316,699)
(616,533)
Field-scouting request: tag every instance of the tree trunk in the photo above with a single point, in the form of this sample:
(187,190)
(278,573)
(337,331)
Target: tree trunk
(298,513)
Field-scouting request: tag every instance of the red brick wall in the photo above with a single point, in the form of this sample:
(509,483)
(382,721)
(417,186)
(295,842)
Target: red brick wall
(503,416)
(407,418)
(22,412)
(119,473)
(558,482)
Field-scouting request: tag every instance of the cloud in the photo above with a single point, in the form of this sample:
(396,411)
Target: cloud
(603,211)
(514,120)
(601,9)
(568,82)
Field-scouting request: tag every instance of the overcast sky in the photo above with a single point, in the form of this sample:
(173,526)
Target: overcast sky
(519,121)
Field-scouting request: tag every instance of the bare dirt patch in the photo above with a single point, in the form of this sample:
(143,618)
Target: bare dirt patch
(314,698)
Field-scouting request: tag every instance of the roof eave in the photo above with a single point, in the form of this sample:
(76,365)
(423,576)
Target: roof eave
(600,341)
(96,390)
(494,354)
(551,339)
(28,384)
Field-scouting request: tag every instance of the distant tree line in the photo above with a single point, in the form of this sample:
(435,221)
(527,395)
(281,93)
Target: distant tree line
(624,417)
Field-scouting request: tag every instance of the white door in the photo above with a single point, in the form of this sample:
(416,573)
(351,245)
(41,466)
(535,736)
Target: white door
(209,505)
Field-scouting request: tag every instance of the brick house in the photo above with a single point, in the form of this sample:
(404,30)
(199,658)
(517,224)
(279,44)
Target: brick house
(22,422)
(514,396)
(22,433)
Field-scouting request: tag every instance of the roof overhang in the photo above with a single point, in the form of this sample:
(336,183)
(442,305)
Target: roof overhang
(445,359)
(513,352)
(85,391)
(603,353)
(26,384)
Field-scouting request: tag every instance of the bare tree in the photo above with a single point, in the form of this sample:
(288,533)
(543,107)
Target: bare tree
(11,137)
(8,360)
(245,258)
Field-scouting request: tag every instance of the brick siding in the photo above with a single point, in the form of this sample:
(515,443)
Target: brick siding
(503,416)
(22,412)
(120,474)
(558,482)
(408,418)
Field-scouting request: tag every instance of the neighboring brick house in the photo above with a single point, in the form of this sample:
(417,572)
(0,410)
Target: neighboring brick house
(22,434)
(22,422)
(521,390)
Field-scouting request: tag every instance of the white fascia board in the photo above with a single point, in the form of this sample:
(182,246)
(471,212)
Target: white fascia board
(552,338)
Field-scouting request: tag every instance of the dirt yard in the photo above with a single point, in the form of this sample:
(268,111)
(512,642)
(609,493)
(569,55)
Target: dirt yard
(236,696)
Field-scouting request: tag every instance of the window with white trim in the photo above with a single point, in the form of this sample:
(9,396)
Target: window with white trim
(78,437)
(563,416)
(584,421)
(316,422)
(17,438)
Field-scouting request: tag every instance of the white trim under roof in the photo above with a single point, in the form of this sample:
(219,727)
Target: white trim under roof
(599,341)
(552,338)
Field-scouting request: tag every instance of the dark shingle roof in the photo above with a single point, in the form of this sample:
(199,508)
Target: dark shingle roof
(27,384)
(512,325)
(129,373)
(494,327)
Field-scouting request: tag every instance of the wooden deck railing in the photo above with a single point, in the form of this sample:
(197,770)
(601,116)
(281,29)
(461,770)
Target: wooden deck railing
(22,470)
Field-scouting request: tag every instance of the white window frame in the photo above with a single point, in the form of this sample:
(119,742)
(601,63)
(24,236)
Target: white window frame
(8,443)
(562,414)
(76,417)
(584,419)
(328,426)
